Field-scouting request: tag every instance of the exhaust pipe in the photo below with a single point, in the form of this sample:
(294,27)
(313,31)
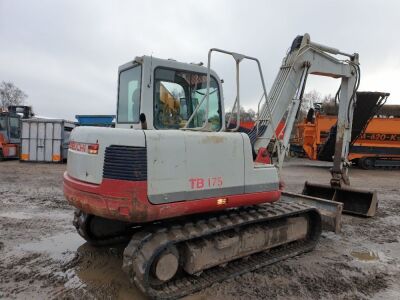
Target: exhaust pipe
(355,201)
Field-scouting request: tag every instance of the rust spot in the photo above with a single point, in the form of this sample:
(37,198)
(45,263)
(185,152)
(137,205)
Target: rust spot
(139,211)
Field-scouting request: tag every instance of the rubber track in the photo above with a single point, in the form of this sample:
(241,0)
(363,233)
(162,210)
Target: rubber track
(146,245)
(384,168)
(387,167)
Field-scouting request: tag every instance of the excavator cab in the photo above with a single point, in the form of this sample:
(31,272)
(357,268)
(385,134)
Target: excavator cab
(10,134)
(10,129)
(9,126)
(166,95)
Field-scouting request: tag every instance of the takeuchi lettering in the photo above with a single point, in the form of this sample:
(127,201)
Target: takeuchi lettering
(81,147)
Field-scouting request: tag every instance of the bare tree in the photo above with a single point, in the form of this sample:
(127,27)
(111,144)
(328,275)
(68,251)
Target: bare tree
(10,94)
(329,105)
(309,99)
(329,98)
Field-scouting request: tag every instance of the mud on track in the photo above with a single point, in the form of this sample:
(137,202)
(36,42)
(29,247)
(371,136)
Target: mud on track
(41,256)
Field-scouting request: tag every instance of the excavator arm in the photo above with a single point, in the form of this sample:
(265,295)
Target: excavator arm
(305,57)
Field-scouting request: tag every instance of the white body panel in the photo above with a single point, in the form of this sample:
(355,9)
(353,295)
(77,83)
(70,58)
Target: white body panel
(191,165)
(89,167)
(185,165)
(181,165)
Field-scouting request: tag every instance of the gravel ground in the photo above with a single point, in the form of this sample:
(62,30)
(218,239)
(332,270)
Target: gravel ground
(41,256)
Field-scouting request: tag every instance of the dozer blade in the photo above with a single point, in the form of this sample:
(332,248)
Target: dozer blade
(331,211)
(355,201)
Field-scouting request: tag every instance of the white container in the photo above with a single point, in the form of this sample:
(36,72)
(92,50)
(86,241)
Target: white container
(45,140)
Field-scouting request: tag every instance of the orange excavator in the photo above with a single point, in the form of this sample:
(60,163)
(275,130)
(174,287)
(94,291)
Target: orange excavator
(376,143)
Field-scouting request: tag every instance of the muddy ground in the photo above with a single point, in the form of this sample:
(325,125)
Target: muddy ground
(41,256)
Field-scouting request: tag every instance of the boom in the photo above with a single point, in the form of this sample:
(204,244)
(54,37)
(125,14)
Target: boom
(304,57)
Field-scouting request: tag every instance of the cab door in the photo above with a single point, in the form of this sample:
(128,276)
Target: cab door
(14,132)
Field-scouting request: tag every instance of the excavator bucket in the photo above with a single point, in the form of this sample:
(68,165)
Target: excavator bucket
(355,201)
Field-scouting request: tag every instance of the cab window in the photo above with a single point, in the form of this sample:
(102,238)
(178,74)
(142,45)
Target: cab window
(129,95)
(14,128)
(176,96)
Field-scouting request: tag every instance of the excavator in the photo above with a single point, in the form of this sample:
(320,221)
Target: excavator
(198,201)
(10,130)
(375,142)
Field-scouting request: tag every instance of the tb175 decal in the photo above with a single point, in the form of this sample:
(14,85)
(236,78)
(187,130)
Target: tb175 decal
(199,183)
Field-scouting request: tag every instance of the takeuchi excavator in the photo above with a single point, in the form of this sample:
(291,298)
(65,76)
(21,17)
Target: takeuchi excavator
(194,195)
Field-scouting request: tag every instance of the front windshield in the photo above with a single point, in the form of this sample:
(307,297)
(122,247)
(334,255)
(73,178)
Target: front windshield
(129,95)
(176,96)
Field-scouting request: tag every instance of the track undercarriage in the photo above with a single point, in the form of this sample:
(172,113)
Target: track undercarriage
(385,163)
(171,259)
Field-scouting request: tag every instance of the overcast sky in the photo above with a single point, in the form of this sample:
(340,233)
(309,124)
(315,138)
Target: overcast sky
(65,54)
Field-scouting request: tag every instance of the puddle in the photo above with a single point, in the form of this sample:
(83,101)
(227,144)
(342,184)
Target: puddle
(56,246)
(99,269)
(365,255)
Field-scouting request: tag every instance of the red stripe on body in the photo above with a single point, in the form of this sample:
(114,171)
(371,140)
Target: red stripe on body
(127,200)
